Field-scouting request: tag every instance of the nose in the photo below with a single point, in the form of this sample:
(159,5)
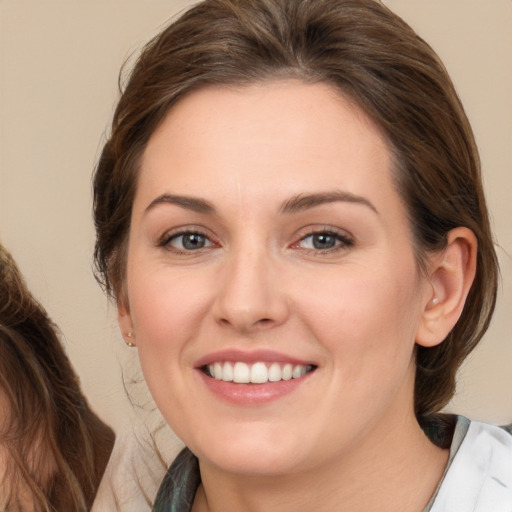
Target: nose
(250,297)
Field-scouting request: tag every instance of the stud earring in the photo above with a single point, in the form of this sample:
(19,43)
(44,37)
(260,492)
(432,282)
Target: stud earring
(434,302)
(130,337)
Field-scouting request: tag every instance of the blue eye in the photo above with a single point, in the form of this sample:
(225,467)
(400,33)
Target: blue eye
(188,241)
(324,241)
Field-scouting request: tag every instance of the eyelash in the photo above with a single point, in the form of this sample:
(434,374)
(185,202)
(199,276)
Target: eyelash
(168,238)
(342,241)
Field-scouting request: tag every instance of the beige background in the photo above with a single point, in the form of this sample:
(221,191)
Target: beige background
(58,82)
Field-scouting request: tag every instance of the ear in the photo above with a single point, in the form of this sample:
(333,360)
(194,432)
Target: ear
(124,321)
(451,273)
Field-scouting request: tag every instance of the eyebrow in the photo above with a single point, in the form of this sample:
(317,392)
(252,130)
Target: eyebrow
(295,204)
(188,203)
(306,201)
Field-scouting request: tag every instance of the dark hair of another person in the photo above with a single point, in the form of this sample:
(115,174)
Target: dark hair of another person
(370,56)
(54,447)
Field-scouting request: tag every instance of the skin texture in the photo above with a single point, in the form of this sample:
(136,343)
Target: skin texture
(355,311)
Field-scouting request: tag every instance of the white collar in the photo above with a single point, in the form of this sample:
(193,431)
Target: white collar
(480,476)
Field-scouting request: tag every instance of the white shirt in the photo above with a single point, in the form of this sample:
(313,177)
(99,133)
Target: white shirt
(479,478)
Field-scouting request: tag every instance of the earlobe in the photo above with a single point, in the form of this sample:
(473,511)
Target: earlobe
(451,274)
(125,323)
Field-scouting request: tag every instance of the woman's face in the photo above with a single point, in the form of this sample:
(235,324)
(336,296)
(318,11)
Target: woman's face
(268,241)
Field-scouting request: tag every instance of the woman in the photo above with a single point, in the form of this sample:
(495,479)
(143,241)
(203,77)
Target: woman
(290,216)
(53,448)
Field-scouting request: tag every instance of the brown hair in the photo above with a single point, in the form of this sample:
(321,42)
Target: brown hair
(370,55)
(54,448)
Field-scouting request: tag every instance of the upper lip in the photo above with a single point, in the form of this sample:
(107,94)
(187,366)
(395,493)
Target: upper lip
(249,357)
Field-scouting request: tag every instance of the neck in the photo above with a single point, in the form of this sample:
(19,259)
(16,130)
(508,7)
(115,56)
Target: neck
(393,469)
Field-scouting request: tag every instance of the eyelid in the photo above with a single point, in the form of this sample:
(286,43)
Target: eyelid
(324,228)
(164,241)
(343,236)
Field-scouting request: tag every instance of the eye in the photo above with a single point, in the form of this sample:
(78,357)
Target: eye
(187,241)
(324,240)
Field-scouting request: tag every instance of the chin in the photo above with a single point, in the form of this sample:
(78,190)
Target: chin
(252,453)
(257,462)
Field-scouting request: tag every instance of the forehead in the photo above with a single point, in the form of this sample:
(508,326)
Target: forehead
(248,139)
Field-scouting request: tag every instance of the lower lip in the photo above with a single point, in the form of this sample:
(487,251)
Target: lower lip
(252,394)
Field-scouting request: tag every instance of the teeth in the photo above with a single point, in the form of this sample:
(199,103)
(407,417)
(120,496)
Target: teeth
(287,372)
(274,372)
(217,371)
(298,372)
(227,372)
(241,373)
(258,373)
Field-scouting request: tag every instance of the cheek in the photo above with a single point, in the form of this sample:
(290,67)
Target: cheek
(165,309)
(366,313)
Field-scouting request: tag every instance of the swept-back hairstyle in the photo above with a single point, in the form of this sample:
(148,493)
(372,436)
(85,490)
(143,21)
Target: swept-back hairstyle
(54,449)
(369,55)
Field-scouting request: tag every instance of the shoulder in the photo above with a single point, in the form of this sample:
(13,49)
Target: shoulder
(135,470)
(479,478)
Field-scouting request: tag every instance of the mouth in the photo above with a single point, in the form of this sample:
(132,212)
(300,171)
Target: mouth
(259,372)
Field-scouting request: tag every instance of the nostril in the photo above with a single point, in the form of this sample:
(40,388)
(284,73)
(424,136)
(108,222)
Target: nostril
(261,323)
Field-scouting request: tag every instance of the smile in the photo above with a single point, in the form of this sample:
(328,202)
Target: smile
(256,373)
